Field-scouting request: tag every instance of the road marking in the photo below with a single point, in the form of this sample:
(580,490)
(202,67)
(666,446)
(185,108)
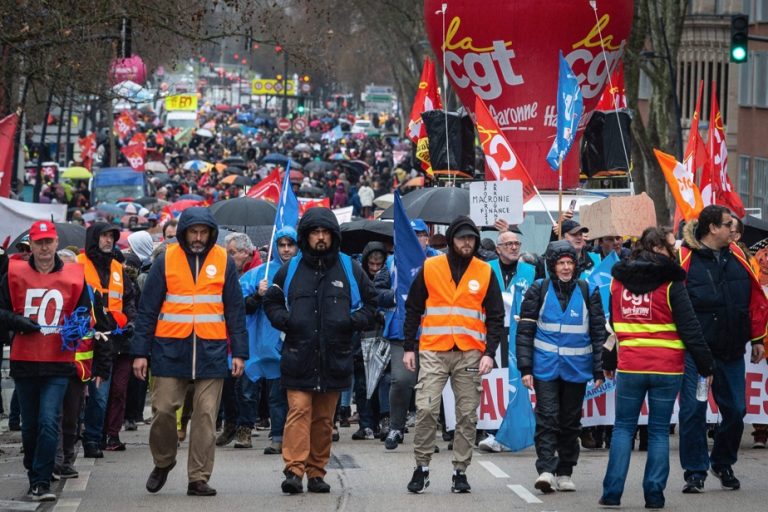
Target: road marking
(524,493)
(82,461)
(77,484)
(493,469)
(66,505)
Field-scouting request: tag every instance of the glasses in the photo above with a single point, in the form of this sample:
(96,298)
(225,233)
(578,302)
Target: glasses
(510,244)
(422,235)
(727,224)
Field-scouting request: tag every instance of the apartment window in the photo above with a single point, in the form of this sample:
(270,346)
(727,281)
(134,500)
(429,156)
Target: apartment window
(644,87)
(744,179)
(760,90)
(745,82)
(760,11)
(761,184)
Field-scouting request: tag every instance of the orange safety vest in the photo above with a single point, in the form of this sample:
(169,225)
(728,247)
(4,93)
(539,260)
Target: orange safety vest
(646,331)
(454,315)
(114,291)
(193,304)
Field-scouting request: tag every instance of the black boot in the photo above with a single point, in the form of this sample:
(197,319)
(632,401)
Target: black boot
(344,413)
(92,451)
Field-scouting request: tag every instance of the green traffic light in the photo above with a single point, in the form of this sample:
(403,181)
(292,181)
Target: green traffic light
(738,54)
(301,110)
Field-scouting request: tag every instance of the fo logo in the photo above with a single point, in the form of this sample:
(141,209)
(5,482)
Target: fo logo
(210,270)
(474,286)
(46,306)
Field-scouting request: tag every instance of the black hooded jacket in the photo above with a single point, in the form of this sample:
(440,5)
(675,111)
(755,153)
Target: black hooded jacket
(193,357)
(493,304)
(318,326)
(382,281)
(644,275)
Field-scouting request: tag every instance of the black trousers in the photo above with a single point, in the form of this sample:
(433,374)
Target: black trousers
(558,424)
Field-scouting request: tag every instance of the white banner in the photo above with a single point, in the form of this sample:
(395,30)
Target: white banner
(343,214)
(491,200)
(599,404)
(17,216)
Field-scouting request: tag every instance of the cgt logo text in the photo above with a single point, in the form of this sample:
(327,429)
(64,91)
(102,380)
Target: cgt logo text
(487,69)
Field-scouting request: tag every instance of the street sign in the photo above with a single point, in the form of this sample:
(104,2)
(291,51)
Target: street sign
(306,87)
(284,124)
(300,124)
(270,86)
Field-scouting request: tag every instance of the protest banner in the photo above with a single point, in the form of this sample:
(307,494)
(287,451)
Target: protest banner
(625,216)
(491,200)
(181,102)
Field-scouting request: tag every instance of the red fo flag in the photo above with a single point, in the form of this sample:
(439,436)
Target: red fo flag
(427,98)
(138,138)
(307,203)
(7,135)
(501,161)
(124,125)
(136,154)
(614,98)
(268,188)
(87,149)
(716,187)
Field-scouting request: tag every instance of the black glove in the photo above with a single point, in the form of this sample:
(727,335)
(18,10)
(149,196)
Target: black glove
(22,324)
(128,330)
(252,303)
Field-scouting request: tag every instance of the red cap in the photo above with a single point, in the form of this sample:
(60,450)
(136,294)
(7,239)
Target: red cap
(42,229)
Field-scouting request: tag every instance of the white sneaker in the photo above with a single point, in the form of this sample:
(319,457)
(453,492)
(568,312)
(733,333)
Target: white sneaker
(565,484)
(490,444)
(546,483)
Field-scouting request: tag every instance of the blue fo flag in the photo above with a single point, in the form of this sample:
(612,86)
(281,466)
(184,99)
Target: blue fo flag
(409,258)
(570,106)
(519,424)
(601,278)
(288,207)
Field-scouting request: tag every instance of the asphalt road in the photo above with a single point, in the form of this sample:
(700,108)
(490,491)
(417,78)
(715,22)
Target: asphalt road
(364,477)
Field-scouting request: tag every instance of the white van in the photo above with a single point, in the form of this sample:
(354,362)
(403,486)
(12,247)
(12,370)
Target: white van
(180,119)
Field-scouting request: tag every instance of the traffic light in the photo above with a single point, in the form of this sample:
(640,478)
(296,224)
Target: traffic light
(305,78)
(739,36)
(300,107)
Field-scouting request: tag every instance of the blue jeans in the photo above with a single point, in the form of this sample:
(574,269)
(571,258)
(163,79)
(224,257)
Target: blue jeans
(728,392)
(95,412)
(247,393)
(41,400)
(278,409)
(631,389)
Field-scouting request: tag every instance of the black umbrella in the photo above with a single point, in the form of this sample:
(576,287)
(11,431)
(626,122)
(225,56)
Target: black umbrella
(356,234)
(234,160)
(259,235)
(318,165)
(233,170)
(244,211)
(242,181)
(754,230)
(310,192)
(144,201)
(438,205)
(69,234)
(264,144)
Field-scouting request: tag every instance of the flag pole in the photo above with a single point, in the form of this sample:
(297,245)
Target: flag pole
(549,214)
(269,250)
(560,200)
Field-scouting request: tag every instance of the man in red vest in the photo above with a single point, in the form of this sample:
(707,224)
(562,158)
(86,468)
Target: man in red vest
(35,298)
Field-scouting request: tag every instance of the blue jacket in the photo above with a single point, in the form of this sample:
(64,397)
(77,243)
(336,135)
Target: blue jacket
(173,357)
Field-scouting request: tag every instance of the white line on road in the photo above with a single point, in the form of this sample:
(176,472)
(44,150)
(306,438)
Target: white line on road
(493,469)
(67,505)
(524,493)
(82,461)
(77,484)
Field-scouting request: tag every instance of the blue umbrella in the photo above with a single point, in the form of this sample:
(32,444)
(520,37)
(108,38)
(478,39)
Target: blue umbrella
(275,158)
(196,165)
(110,209)
(194,197)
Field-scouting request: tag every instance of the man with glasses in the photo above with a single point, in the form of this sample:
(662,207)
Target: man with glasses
(422,232)
(606,244)
(731,308)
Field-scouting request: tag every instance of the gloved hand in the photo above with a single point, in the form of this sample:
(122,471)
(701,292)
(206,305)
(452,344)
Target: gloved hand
(23,324)
(128,330)
(252,303)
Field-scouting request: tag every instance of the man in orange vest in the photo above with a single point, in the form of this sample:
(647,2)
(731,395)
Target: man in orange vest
(458,304)
(191,315)
(35,298)
(106,277)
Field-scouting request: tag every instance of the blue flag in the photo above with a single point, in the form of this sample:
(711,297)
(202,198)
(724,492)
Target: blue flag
(519,424)
(600,278)
(409,258)
(570,106)
(288,207)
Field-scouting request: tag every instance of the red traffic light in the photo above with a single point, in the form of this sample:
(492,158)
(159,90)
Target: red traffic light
(278,48)
(236,56)
(202,59)
(244,62)
(255,46)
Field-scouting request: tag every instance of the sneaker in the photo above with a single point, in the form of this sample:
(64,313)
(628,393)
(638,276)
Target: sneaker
(92,451)
(55,475)
(292,483)
(410,419)
(355,418)
(243,438)
(394,438)
(42,492)
(725,475)
(335,436)
(384,428)
(363,434)
(490,444)
(546,483)
(760,436)
(68,472)
(14,427)
(263,424)
(606,503)
(419,480)
(227,434)
(318,485)
(130,426)
(693,485)
(459,482)
(758,444)
(114,444)
(275,448)
(565,484)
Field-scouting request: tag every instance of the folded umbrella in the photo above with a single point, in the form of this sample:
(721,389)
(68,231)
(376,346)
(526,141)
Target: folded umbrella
(376,356)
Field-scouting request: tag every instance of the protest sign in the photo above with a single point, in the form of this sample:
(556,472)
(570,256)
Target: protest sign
(491,200)
(625,216)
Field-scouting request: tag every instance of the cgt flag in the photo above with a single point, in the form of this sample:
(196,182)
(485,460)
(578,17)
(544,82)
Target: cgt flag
(8,126)
(501,161)
(136,154)
(268,188)
(570,106)
(409,258)
(427,98)
(680,180)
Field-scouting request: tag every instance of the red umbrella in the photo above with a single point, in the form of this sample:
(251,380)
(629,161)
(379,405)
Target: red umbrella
(224,108)
(176,208)
(296,176)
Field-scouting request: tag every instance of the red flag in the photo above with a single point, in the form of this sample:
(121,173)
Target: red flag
(716,187)
(501,161)
(695,156)
(138,138)
(136,154)
(307,203)
(87,149)
(614,98)
(268,188)
(124,125)
(7,135)
(427,98)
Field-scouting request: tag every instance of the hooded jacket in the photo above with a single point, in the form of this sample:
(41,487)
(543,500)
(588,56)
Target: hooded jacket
(102,261)
(193,357)
(644,275)
(721,291)
(382,281)
(493,304)
(533,300)
(318,325)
